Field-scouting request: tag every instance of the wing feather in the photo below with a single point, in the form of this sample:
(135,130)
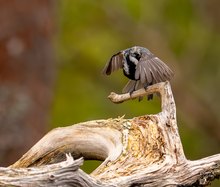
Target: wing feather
(151,70)
(115,63)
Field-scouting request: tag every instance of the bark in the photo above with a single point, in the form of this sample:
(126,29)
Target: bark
(142,151)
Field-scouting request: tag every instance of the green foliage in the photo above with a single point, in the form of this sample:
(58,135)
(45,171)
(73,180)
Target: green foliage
(179,18)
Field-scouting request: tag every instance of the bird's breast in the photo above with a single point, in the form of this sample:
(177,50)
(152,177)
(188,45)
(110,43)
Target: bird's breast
(129,70)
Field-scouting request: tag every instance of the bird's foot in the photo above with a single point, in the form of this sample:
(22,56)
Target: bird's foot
(149,97)
(145,87)
(130,93)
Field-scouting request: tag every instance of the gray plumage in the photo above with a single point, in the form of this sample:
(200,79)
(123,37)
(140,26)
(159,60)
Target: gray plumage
(140,66)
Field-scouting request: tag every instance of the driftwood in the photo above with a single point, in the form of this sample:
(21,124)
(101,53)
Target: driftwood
(143,151)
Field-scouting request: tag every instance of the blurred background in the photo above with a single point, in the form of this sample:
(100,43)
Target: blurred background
(52,54)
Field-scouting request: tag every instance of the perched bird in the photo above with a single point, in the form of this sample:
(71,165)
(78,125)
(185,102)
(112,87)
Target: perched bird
(140,66)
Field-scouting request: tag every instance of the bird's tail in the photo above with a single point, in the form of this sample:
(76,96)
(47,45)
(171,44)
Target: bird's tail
(131,86)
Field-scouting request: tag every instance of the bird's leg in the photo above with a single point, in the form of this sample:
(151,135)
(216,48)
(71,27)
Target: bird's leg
(149,97)
(133,89)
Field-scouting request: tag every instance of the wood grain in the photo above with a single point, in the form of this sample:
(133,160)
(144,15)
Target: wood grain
(142,151)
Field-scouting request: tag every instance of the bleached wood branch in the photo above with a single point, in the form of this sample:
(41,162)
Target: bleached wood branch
(142,151)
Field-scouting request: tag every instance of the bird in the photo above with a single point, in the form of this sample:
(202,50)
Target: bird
(140,66)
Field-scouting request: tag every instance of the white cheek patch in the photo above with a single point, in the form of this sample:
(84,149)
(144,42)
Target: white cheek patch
(133,60)
(126,67)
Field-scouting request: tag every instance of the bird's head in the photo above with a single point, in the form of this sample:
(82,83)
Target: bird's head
(135,52)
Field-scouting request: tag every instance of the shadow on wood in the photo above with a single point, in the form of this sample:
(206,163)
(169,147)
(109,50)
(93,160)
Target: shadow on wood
(143,151)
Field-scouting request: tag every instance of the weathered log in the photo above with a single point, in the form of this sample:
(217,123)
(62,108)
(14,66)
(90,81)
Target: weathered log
(143,151)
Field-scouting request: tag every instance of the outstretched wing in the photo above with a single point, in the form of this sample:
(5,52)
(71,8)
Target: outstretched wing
(151,70)
(114,64)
